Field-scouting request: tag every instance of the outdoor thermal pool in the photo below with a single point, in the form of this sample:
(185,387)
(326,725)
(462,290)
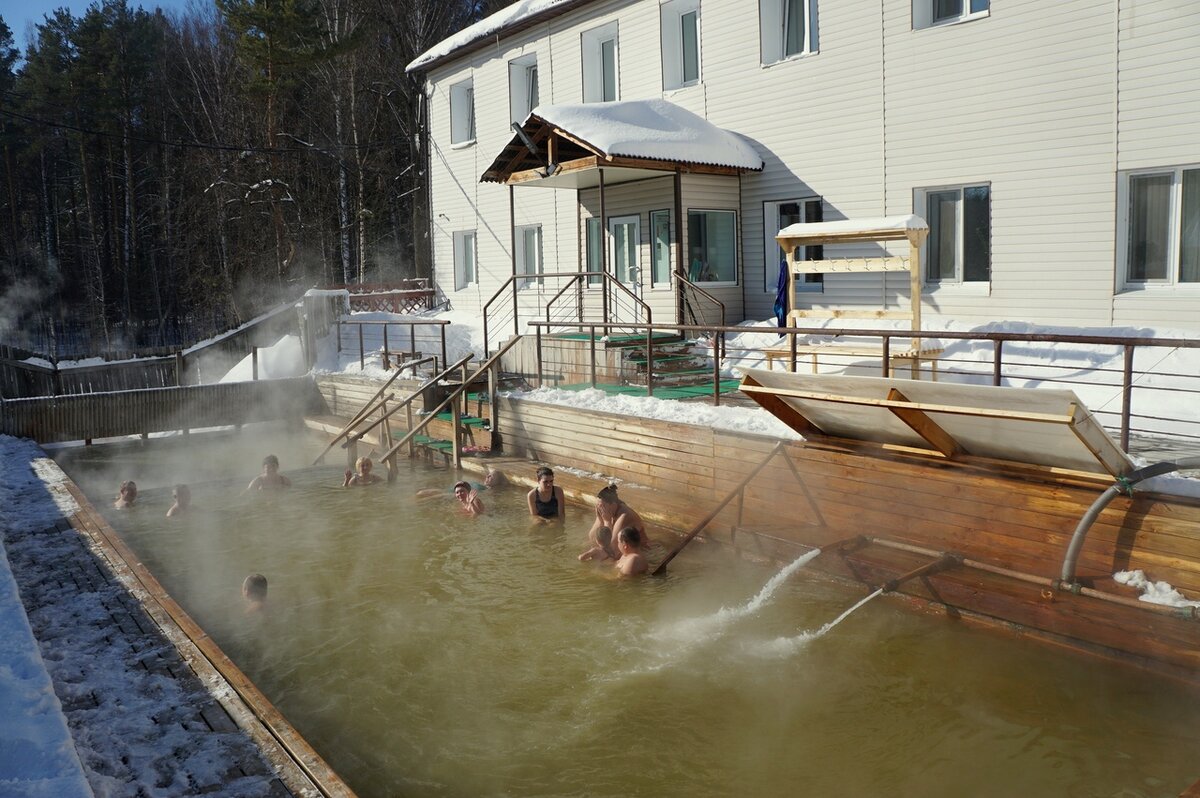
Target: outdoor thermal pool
(424,653)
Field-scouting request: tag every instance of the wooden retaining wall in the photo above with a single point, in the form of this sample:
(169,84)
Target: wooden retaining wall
(102,415)
(1009,518)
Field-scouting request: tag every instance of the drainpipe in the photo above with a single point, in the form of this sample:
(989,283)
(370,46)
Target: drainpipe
(1122,485)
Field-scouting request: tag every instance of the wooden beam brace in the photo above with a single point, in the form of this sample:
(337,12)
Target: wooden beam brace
(779,408)
(924,426)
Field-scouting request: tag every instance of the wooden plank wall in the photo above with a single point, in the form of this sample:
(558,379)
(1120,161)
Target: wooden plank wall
(1008,519)
(101,415)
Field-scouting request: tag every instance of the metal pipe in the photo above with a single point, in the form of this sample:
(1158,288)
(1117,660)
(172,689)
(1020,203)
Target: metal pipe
(947,560)
(1123,484)
(1126,396)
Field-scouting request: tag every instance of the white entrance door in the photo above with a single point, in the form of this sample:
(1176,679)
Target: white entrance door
(625,233)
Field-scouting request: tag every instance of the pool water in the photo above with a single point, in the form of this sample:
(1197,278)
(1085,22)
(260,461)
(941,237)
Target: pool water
(426,653)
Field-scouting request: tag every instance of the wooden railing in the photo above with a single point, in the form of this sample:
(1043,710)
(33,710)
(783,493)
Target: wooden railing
(103,415)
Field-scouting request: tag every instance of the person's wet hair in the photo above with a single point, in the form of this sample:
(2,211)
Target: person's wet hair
(604,536)
(545,472)
(271,460)
(630,536)
(608,494)
(362,461)
(464,485)
(183,492)
(255,587)
(129,485)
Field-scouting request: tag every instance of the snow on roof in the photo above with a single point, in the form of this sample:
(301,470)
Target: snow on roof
(502,20)
(884,223)
(654,129)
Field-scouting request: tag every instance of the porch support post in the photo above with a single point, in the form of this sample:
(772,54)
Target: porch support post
(680,269)
(603,253)
(512,243)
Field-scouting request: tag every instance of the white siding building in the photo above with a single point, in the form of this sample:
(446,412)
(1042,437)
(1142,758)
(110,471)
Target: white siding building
(1054,149)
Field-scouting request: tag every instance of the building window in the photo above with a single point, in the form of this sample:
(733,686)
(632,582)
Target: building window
(927,13)
(712,241)
(660,242)
(464,259)
(462,112)
(600,64)
(1161,227)
(959,247)
(529,253)
(776,216)
(522,87)
(594,254)
(787,28)
(679,25)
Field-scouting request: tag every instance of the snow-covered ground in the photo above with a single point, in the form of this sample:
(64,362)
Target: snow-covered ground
(135,754)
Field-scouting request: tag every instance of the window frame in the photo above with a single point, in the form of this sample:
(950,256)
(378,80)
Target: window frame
(734,248)
(463,89)
(591,44)
(921,202)
(923,14)
(664,284)
(1174,281)
(521,101)
(813,283)
(462,279)
(772,31)
(522,253)
(671,34)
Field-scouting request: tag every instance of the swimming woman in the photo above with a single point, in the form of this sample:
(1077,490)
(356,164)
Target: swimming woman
(615,514)
(361,475)
(546,501)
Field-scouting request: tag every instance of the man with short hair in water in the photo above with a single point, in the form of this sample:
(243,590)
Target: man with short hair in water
(468,498)
(616,514)
(546,501)
(254,591)
(632,563)
(603,547)
(182,495)
(270,478)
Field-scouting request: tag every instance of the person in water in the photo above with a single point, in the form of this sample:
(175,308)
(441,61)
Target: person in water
(270,478)
(546,501)
(182,495)
(629,543)
(616,514)
(126,495)
(361,475)
(492,480)
(468,498)
(254,591)
(602,548)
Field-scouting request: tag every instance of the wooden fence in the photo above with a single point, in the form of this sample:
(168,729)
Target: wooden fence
(102,415)
(312,318)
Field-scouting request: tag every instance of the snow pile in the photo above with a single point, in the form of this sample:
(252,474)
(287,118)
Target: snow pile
(464,335)
(284,358)
(489,26)
(1153,592)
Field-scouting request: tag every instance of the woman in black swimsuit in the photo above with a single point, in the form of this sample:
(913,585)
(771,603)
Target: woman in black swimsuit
(546,501)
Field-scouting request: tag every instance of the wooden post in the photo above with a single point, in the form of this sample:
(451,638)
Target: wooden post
(456,422)
(387,435)
(254,362)
(179,368)
(887,352)
(412,447)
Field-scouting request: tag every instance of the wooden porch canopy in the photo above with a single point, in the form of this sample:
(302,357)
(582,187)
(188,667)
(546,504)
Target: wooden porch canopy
(1031,426)
(566,146)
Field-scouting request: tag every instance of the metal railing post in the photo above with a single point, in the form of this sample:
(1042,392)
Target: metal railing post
(386,357)
(1126,396)
(792,353)
(887,356)
(538,353)
(254,362)
(442,327)
(717,370)
(361,350)
(592,334)
(649,361)
(996,356)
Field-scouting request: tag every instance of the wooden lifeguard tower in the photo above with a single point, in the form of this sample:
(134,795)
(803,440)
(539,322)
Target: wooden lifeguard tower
(912,229)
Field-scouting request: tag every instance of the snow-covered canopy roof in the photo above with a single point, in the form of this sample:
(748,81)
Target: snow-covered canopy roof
(507,21)
(886,228)
(633,135)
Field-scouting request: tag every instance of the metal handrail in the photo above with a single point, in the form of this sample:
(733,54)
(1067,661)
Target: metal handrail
(609,281)
(685,283)
(441,324)
(998,339)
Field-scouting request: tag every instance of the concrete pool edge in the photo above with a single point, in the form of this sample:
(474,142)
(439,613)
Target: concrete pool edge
(297,765)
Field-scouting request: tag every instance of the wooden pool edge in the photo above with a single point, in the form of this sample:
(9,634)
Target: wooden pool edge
(297,765)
